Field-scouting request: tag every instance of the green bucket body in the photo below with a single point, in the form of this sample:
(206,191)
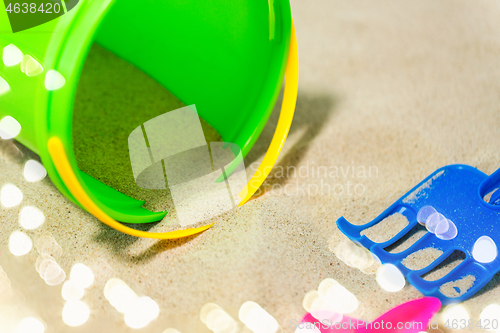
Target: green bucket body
(226,57)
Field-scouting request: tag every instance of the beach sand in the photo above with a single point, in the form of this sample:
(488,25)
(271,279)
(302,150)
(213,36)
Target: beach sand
(386,229)
(389,92)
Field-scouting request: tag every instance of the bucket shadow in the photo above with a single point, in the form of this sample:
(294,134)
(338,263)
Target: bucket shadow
(311,114)
(318,105)
(120,242)
(138,250)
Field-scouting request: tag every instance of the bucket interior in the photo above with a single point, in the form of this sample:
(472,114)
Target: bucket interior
(114,98)
(225,57)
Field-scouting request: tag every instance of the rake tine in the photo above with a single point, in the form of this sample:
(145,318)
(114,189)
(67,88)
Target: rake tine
(436,262)
(457,273)
(385,256)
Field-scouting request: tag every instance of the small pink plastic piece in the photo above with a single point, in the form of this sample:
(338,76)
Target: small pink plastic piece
(419,311)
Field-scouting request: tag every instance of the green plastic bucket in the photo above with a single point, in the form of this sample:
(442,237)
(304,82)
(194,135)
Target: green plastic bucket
(227,57)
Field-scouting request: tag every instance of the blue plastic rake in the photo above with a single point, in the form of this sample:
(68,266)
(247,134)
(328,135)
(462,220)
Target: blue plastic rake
(457,192)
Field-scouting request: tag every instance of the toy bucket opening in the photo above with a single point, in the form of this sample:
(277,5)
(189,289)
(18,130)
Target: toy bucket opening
(227,58)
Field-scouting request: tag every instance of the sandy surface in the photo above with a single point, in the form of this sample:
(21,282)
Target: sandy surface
(458,287)
(389,92)
(386,229)
(421,258)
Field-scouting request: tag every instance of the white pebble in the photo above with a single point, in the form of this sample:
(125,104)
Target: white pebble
(491,314)
(485,250)
(50,271)
(342,300)
(218,320)
(81,275)
(136,317)
(259,320)
(455,313)
(245,309)
(11,55)
(206,309)
(325,285)
(309,298)
(31,325)
(34,171)
(150,306)
(9,128)
(4,86)
(58,279)
(54,80)
(75,313)
(325,311)
(70,291)
(20,243)
(31,217)
(140,313)
(119,294)
(10,196)
(390,278)
(30,66)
